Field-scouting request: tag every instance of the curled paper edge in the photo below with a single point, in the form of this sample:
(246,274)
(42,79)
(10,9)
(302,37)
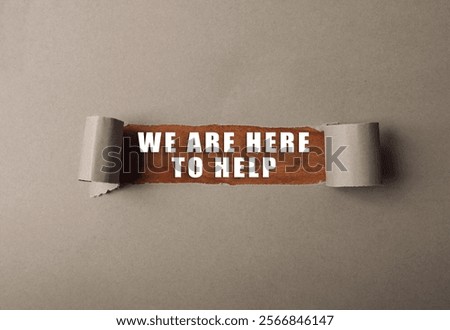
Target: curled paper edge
(99,133)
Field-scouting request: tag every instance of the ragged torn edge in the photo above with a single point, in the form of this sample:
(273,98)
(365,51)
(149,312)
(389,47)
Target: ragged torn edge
(360,154)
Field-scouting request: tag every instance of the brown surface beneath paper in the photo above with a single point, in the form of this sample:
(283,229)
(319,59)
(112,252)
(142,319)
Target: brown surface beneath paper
(291,168)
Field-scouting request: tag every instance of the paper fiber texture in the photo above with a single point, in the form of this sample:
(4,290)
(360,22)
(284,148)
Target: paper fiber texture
(360,157)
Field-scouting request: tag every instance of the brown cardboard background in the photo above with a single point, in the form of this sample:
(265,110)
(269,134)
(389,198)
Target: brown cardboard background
(267,63)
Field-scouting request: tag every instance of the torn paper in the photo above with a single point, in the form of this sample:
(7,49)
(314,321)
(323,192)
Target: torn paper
(358,148)
(100,133)
(115,155)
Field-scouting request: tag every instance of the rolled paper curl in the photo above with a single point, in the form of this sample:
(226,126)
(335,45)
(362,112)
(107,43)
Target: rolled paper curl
(352,154)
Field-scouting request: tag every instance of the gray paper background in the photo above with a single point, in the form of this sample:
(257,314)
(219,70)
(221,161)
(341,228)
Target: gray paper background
(268,63)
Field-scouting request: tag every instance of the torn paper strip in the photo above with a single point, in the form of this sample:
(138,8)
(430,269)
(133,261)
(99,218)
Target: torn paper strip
(349,158)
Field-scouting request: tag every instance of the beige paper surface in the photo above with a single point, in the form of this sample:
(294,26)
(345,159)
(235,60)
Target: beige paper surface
(186,246)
